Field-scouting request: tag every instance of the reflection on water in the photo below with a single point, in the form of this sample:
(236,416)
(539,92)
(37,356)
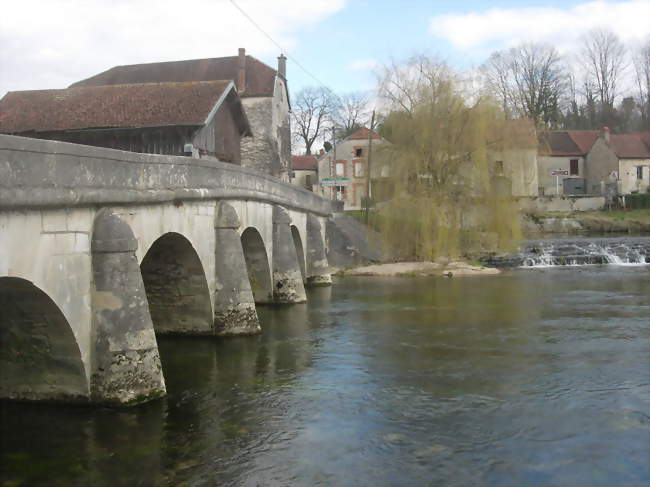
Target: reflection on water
(528,378)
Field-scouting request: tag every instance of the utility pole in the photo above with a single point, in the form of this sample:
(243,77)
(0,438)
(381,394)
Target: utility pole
(368,173)
(333,190)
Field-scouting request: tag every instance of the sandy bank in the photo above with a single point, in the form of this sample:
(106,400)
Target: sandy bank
(456,268)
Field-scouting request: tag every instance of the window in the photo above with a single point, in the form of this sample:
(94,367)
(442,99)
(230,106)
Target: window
(573,167)
(639,172)
(359,169)
(498,167)
(308,181)
(340,193)
(358,152)
(340,169)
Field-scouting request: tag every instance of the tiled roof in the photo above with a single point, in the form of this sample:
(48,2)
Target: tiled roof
(260,78)
(584,139)
(567,142)
(136,105)
(363,133)
(304,162)
(558,144)
(631,146)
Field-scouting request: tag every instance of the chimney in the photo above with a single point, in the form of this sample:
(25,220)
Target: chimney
(241,70)
(282,66)
(606,134)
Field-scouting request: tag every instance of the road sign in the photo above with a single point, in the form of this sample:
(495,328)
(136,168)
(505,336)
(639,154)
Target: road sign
(559,172)
(335,181)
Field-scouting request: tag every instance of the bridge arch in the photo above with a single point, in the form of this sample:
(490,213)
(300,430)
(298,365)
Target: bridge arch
(176,287)
(300,250)
(257,265)
(40,358)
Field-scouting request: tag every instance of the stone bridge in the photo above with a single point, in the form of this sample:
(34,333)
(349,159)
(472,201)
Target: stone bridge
(102,249)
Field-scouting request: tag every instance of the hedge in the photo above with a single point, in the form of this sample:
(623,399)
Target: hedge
(637,201)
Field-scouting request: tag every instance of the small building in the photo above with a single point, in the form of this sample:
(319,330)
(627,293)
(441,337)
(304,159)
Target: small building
(305,171)
(202,119)
(623,159)
(342,172)
(516,157)
(262,89)
(562,155)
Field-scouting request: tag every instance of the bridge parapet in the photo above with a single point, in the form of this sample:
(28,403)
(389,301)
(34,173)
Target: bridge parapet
(38,173)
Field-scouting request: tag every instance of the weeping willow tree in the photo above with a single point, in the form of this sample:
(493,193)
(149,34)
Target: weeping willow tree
(449,193)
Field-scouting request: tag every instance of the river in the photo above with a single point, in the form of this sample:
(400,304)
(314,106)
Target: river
(532,377)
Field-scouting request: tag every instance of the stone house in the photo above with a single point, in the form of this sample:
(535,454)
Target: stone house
(623,159)
(516,158)
(202,119)
(343,171)
(262,89)
(564,151)
(305,171)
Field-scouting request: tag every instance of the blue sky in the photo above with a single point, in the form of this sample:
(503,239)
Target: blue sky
(366,32)
(369,30)
(52,43)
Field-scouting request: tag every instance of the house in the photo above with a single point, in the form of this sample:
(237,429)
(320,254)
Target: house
(199,118)
(515,157)
(305,171)
(562,155)
(342,171)
(262,89)
(623,159)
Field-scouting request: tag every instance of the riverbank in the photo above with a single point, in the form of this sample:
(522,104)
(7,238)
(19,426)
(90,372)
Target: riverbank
(588,222)
(419,269)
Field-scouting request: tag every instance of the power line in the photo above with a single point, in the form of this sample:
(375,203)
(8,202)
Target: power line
(296,62)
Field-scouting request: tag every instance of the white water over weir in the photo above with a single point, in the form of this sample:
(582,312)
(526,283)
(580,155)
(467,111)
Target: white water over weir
(577,252)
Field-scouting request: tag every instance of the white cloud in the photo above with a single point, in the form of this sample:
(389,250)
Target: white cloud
(52,43)
(362,65)
(498,28)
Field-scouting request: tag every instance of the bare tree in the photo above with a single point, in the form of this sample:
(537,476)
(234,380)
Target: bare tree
(603,56)
(351,112)
(529,80)
(400,84)
(497,76)
(312,113)
(642,78)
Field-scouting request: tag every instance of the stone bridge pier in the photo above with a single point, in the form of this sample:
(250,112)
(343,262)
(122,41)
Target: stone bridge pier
(101,250)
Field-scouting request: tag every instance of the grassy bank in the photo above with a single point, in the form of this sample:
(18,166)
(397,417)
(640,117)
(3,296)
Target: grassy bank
(614,216)
(640,216)
(586,222)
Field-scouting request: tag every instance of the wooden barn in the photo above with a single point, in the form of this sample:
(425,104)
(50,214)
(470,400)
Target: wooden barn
(203,119)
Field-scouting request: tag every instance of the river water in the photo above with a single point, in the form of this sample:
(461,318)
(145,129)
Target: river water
(532,377)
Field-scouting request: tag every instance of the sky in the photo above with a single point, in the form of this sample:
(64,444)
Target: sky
(341,44)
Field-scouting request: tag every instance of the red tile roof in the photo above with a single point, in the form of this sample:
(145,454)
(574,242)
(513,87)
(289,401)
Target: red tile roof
(558,144)
(363,133)
(260,78)
(567,142)
(137,105)
(584,139)
(304,162)
(631,146)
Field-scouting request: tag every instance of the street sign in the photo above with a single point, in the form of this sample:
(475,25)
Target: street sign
(559,172)
(335,181)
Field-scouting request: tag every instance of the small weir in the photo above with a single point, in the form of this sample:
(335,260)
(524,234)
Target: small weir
(577,252)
